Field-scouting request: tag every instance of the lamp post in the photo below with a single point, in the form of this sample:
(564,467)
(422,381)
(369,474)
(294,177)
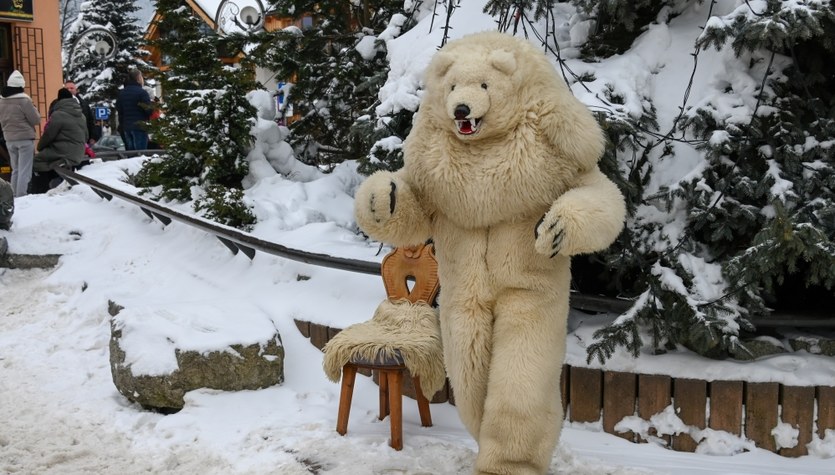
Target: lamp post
(102,48)
(97,39)
(247,16)
(103,45)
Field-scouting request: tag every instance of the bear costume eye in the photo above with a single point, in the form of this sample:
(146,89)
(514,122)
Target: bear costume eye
(484,85)
(452,88)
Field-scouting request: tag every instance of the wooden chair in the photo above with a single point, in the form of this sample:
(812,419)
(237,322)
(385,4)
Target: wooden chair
(400,266)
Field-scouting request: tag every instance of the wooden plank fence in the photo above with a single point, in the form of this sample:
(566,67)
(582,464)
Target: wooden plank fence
(750,410)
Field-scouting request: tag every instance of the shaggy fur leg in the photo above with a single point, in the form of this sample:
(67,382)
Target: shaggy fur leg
(466,334)
(523,413)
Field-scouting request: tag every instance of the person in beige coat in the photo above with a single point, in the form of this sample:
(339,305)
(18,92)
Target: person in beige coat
(18,117)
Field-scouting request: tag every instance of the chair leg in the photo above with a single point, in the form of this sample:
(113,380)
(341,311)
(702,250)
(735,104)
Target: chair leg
(382,376)
(349,375)
(395,387)
(423,404)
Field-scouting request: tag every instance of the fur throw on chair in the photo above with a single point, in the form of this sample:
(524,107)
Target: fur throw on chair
(398,331)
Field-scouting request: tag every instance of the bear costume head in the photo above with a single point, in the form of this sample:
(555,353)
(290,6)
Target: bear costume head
(499,136)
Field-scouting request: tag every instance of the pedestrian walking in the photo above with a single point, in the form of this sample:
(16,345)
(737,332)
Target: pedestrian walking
(133,105)
(18,117)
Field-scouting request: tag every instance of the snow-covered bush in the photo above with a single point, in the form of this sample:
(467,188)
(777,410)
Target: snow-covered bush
(206,122)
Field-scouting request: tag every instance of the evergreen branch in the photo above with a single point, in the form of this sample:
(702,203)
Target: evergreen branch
(563,66)
(555,51)
(688,233)
(797,65)
(687,90)
(762,88)
(764,13)
(704,216)
(451,6)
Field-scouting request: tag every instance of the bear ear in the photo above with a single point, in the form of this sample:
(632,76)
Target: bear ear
(503,60)
(440,64)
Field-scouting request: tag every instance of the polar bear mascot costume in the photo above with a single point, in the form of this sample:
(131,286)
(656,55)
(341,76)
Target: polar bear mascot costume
(500,171)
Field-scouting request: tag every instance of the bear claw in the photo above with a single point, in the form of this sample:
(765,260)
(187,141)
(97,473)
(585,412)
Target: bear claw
(557,243)
(536,228)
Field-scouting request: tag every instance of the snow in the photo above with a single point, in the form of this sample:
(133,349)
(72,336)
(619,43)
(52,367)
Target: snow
(145,12)
(62,413)
(785,435)
(366,47)
(151,334)
(210,6)
(180,287)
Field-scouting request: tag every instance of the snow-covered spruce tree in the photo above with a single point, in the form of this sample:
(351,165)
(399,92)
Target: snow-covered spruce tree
(99,81)
(767,201)
(68,11)
(383,126)
(206,121)
(388,122)
(336,65)
(703,255)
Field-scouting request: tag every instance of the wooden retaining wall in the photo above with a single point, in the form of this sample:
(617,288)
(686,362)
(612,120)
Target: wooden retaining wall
(746,409)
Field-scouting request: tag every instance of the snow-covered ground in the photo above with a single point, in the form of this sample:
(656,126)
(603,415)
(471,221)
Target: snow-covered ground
(61,414)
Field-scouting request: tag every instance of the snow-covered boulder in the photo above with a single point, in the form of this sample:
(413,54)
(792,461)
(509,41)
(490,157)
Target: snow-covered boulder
(157,354)
(813,344)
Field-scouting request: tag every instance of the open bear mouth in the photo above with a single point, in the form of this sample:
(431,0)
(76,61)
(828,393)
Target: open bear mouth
(467,126)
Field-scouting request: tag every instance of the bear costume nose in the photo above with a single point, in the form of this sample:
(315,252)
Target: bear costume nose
(461,111)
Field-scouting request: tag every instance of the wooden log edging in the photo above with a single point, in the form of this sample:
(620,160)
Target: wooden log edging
(745,409)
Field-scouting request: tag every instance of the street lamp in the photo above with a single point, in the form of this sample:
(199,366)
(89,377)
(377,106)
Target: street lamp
(102,48)
(103,45)
(248,18)
(97,39)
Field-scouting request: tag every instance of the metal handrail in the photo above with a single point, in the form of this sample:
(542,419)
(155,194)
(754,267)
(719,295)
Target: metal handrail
(236,240)
(120,154)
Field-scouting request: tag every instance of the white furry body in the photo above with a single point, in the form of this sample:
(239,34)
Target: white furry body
(506,207)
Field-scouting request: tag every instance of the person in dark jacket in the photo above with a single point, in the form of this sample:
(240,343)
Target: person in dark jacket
(93,131)
(62,142)
(133,105)
(6,204)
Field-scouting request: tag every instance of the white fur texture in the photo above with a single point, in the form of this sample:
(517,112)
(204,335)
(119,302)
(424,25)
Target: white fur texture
(397,328)
(507,205)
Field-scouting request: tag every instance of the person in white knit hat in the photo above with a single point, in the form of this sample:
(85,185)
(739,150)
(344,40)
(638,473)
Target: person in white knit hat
(18,117)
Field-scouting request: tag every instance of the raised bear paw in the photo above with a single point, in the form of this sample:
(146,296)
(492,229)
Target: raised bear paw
(550,234)
(376,200)
(387,210)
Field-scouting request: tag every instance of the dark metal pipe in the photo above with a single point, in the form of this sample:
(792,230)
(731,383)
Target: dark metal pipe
(120,154)
(245,241)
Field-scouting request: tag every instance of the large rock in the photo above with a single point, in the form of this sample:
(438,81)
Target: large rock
(157,354)
(757,348)
(817,345)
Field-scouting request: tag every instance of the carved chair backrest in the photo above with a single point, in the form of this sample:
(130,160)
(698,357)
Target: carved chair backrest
(417,263)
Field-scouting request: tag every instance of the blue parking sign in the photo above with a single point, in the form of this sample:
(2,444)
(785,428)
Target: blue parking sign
(102,113)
